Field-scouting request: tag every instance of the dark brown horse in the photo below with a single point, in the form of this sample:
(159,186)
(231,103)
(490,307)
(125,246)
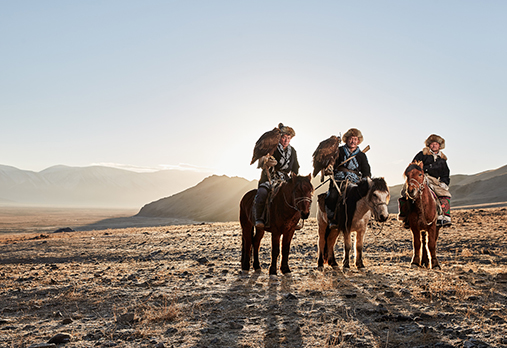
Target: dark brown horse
(422,217)
(290,204)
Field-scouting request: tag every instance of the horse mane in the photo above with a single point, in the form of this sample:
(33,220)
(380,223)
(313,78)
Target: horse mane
(379,184)
(414,165)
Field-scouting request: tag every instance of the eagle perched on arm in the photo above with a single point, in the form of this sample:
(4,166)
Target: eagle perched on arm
(266,145)
(325,154)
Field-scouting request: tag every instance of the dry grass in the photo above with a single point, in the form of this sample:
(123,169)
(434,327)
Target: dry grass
(181,286)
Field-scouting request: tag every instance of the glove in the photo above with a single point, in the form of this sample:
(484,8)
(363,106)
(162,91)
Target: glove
(329,170)
(271,162)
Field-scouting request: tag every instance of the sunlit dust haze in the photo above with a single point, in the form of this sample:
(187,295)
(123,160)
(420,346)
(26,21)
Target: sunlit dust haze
(191,85)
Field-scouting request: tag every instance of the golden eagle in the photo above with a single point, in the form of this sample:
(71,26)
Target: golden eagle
(325,154)
(266,145)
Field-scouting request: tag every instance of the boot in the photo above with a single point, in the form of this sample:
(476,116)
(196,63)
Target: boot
(259,216)
(446,221)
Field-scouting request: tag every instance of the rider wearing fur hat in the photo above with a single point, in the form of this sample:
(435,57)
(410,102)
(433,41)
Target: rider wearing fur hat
(352,171)
(285,161)
(438,175)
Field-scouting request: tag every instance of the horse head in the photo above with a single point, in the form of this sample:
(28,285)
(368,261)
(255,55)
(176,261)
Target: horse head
(378,198)
(302,193)
(414,179)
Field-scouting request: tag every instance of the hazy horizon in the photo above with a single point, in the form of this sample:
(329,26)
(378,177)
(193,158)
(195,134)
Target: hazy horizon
(192,85)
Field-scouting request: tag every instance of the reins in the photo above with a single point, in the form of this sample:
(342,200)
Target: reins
(417,197)
(296,201)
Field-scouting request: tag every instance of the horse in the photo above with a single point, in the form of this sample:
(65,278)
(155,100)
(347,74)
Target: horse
(289,204)
(422,217)
(353,213)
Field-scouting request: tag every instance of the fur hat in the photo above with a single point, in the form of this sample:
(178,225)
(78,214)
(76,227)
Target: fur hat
(435,138)
(353,132)
(287,130)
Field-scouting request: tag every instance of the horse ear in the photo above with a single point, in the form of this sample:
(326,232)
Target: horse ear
(309,176)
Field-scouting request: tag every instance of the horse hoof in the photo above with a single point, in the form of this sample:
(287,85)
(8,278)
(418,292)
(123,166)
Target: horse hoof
(437,267)
(414,265)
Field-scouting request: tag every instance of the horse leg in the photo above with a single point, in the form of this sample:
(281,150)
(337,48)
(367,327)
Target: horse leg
(256,245)
(416,244)
(322,245)
(347,242)
(425,260)
(246,248)
(359,248)
(275,251)
(286,239)
(330,242)
(432,246)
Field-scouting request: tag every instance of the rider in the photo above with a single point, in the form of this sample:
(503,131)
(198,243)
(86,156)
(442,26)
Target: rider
(438,174)
(285,161)
(350,172)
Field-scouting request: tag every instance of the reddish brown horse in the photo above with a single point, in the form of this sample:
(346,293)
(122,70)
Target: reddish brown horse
(290,204)
(422,217)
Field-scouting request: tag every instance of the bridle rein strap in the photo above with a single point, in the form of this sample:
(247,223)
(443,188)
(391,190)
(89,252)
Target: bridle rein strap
(420,188)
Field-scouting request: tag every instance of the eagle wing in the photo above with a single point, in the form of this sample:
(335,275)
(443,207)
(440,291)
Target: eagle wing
(325,154)
(266,145)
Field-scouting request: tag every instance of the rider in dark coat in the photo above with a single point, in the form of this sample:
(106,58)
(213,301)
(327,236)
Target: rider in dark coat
(352,171)
(285,161)
(438,175)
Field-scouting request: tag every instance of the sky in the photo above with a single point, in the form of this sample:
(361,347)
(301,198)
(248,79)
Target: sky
(192,85)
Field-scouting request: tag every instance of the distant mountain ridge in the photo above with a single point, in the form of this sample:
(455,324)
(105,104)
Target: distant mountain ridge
(93,186)
(216,199)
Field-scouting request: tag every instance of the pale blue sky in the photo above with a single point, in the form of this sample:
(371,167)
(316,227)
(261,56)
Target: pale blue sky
(160,84)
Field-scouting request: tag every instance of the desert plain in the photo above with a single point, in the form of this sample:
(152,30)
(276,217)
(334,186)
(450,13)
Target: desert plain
(182,286)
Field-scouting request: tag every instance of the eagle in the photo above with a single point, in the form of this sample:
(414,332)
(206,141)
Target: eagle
(265,148)
(325,154)
(266,145)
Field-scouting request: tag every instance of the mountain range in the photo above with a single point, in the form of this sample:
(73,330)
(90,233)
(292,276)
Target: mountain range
(94,186)
(217,198)
(186,195)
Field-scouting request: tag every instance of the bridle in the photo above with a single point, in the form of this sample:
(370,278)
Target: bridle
(296,200)
(419,189)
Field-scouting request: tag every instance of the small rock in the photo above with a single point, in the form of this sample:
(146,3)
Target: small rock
(67,321)
(389,293)
(202,260)
(290,297)
(235,326)
(171,331)
(126,318)
(60,338)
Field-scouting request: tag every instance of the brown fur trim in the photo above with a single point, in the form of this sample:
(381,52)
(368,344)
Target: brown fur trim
(426,151)
(353,132)
(435,138)
(288,130)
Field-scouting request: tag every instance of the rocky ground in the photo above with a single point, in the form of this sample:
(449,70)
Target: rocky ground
(181,286)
